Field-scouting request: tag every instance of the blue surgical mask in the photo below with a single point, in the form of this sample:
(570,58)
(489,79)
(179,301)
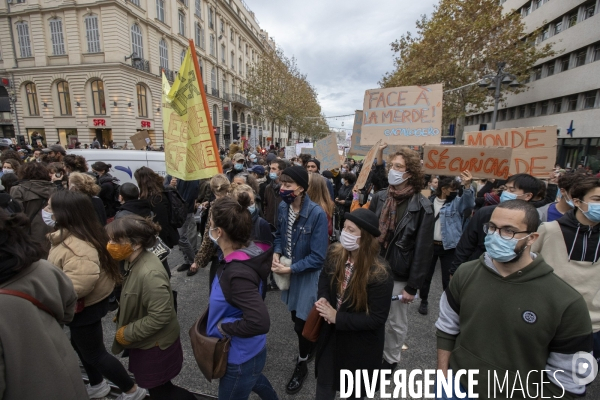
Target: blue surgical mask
(214,240)
(506,195)
(396,177)
(593,212)
(273,175)
(238,167)
(570,203)
(252,208)
(501,250)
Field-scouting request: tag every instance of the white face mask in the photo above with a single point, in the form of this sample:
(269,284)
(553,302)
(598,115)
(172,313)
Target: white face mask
(395,177)
(349,241)
(47,217)
(8,171)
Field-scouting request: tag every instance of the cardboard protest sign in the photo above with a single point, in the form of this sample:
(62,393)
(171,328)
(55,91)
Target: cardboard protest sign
(327,152)
(290,152)
(300,146)
(482,162)
(309,150)
(534,148)
(140,140)
(355,147)
(367,163)
(409,115)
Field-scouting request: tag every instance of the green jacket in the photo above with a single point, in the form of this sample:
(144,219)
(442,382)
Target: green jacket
(509,326)
(146,307)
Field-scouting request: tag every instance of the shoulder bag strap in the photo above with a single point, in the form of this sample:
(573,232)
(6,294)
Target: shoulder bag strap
(29,298)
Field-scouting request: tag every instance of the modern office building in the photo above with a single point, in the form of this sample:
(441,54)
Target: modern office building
(85,69)
(563,90)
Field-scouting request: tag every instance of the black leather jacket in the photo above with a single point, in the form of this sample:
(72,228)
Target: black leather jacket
(411,249)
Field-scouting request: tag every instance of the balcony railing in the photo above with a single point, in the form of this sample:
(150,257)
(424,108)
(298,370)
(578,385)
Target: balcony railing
(237,98)
(142,65)
(227,97)
(215,92)
(169,74)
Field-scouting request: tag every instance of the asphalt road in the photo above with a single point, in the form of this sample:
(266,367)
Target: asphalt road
(282,340)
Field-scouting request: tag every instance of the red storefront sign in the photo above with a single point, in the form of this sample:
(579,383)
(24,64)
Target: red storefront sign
(146,124)
(99,122)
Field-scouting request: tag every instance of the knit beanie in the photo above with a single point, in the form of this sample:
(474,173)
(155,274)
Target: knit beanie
(365,219)
(298,174)
(317,163)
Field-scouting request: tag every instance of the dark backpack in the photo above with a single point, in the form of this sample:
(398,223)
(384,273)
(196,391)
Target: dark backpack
(178,209)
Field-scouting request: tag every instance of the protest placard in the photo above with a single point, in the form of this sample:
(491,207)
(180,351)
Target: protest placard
(367,163)
(482,162)
(534,148)
(409,115)
(355,148)
(309,150)
(290,152)
(327,152)
(300,146)
(140,140)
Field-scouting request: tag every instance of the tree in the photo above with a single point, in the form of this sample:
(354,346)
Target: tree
(461,42)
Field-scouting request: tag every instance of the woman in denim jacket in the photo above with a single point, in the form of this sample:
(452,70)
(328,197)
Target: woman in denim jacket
(448,211)
(301,236)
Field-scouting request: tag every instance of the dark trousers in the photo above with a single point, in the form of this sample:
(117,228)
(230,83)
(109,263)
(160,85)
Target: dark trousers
(446,257)
(168,391)
(305,346)
(88,343)
(326,380)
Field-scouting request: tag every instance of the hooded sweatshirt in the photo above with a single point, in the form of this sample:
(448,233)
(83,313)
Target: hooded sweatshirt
(573,250)
(33,195)
(528,320)
(139,207)
(237,301)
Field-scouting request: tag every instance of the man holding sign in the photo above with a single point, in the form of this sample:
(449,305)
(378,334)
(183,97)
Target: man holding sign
(406,223)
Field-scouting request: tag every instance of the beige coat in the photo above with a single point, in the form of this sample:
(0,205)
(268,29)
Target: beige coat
(79,260)
(37,360)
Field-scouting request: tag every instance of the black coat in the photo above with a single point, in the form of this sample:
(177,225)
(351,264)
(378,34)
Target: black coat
(357,337)
(161,207)
(411,248)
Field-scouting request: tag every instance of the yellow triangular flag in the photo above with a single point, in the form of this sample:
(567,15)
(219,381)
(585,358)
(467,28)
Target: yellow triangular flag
(190,148)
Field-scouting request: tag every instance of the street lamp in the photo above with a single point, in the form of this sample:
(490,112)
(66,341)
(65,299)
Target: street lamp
(495,82)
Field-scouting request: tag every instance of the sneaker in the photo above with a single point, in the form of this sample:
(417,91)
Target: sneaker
(295,383)
(139,394)
(404,347)
(183,267)
(423,308)
(98,391)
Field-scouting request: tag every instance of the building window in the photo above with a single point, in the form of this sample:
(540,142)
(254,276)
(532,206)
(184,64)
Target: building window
(537,73)
(521,112)
(544,108)
(24,42)
(511,113)
(232,35)
(198,8)
(199,35)
(545,33)
(502,115)
(212,45)
(589,11)
(32,101)
(215,115)
(181,23)
(240,42)
(213,79)
(64,100)
(596,56)
(550,68)
(163,54)
(224,86)
(98,97)
(572,20)
(232,61)
(580,58)
(222,26)
(572,103)
(182,56)
(136,2)
(223,53)
(558,27)
(137,45)
(564,64)
(233,88)
(92,33)
(246,74)
(531,110)
(56,36)
(201,68)
(142,100)
(211,17)
(160,10)
(240,70)
(589,99)
(557,103)
(246,49)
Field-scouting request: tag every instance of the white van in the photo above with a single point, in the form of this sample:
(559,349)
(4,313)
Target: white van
(125,162)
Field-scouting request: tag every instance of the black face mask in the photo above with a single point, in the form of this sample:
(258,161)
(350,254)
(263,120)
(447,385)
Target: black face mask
(451,196)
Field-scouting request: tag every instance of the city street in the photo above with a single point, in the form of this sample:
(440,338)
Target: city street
(281,340)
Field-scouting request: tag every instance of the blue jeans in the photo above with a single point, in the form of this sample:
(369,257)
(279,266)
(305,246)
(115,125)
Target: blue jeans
(188,239)
(242,379)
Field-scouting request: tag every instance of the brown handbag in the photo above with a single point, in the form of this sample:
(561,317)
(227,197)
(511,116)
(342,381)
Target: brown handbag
(312,327)
(210,352)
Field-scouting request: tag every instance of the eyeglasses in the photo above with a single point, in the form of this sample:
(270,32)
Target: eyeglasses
(505,233)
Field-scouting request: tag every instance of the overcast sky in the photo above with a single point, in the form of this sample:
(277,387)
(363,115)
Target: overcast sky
(343,46)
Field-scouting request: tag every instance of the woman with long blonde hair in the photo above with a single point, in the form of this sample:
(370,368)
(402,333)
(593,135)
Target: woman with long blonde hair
(86,184)
(355,294)
(319,193)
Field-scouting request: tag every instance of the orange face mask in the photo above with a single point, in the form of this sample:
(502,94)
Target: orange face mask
(119,251)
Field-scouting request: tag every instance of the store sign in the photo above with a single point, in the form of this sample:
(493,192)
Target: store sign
(146,124)
(99,122)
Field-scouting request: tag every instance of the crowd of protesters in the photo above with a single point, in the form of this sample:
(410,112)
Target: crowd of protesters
(517,257)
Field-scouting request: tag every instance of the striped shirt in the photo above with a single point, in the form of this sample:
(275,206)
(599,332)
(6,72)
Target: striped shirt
(290,226)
